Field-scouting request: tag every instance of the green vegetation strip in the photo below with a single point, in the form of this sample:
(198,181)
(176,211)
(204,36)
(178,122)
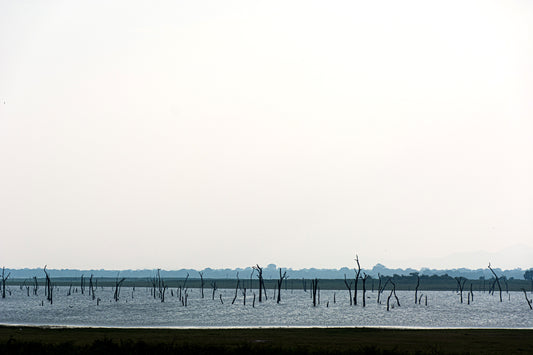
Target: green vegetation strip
(279,340)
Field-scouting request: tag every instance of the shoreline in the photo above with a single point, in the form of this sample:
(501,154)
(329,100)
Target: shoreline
(268,340)
(376,327)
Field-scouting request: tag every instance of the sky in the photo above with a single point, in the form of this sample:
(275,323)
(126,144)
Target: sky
(193,134)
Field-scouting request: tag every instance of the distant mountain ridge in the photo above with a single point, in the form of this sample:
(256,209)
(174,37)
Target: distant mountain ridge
(270,271)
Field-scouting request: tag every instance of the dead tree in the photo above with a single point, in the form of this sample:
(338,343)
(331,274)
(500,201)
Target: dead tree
(498,281)
(82,285)
(202,283)
(358,271)
(163,290)
(236,289)
(416,288)
(380,291)
(460,285)
(4,279)
(49,290)
(379,288)
(214,287)
(349,287)
(527,300)
(470,294)
(91,287)
(185,282)
(160,284)
(153,281)
(364,289)
(35,286)
(243,290)
(118,284)
(314,285)
(388,300)
(259,270)
(280,281)
(392,292)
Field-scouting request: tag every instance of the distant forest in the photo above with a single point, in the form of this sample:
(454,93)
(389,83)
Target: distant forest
(272,272)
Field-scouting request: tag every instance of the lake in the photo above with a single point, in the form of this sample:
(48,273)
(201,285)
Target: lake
(137,308)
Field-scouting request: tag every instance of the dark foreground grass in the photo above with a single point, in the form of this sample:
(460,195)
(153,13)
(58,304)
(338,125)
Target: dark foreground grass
(36,340)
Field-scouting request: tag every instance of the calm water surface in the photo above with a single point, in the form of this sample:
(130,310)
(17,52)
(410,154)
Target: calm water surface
(138,309)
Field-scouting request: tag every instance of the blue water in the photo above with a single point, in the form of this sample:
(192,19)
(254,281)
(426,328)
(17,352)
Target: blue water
(138,309)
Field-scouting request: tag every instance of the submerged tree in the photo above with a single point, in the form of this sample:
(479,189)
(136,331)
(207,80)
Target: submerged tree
(392,292)
(236,289)
(349,287)
(358,271)
(416,288)
(497,281)
(527,300)
(118,285)
(202,283)
(460,285)
(35,286)
(82,285)
(49,290)
(91,287)
(280,281)
(214,287)
(4,279)
(259,270)
(314,285)
(364,288)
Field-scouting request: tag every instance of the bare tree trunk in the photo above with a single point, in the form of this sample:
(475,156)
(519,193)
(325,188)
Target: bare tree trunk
(527,300)
(498,281)
(4,279)
(202,283)
(35,286)
(118,284)
(392,292)
(314,284)
(388,300)
(358,271)
(214,286)
(460,284)
(416,288)
(259,270)
(364,289)
(380,291)
(236,289)
(49,288)
(349,287)
(91,287)
(280,281)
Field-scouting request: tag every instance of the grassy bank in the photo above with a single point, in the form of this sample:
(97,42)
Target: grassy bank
(25,340)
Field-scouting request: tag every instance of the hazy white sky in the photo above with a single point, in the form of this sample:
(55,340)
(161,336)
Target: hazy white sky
(144,134)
